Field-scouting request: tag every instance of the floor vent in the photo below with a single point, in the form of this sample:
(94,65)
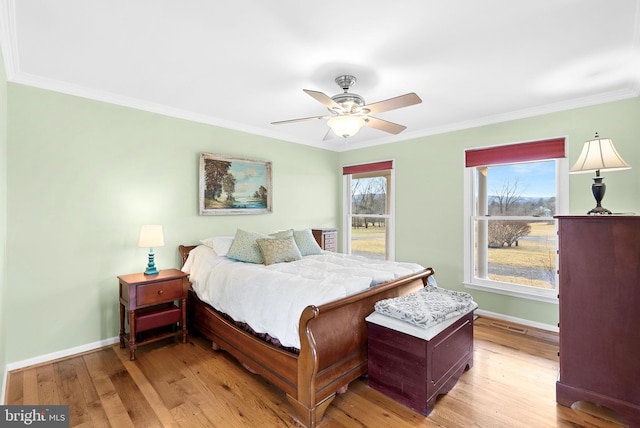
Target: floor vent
(509,327)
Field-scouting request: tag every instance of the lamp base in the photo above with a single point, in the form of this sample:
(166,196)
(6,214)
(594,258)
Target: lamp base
(598,188)
(151,271)
(599,211)
(151,266)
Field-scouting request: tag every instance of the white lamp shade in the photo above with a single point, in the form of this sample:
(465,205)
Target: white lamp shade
(599,155)
(346,126)
(151,236)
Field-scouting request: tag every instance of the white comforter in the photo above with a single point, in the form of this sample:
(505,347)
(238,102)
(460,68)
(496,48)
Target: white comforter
(271,298)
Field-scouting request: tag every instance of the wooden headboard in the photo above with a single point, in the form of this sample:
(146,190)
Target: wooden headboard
(184,251)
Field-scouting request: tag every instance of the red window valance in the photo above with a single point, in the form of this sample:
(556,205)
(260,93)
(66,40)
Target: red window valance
(368,167)
(512,153)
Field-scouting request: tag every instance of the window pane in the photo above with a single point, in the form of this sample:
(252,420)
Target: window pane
(369,194)
(369,217)
(525,189)
(369,240)
(521,252)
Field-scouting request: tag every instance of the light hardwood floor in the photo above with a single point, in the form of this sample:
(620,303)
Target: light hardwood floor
(512,384)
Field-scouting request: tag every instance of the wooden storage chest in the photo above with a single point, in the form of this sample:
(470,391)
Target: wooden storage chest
(415,370)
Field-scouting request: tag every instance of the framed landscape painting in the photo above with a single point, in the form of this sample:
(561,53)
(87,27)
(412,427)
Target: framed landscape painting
(230,185)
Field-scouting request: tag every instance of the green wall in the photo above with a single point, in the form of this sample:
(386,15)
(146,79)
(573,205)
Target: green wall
(3,213)
(429,188)
(84,175)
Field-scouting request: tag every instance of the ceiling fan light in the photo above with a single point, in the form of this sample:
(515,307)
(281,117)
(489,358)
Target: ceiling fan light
(346,126)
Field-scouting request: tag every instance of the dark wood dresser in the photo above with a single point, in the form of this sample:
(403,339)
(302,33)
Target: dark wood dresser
(599,270)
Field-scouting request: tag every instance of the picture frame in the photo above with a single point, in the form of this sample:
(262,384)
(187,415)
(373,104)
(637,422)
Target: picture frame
(234,186)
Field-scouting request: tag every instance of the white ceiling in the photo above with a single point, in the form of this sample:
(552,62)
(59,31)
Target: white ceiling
(242,64)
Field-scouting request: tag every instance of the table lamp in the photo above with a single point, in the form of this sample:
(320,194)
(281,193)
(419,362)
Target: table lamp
(598,155)
(151,236)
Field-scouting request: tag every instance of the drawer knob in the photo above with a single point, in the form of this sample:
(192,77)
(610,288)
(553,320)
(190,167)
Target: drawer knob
(160,292)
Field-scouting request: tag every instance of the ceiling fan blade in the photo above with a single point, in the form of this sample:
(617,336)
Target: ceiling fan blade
(302,119)
(324,99)
(384,125)
(405,100)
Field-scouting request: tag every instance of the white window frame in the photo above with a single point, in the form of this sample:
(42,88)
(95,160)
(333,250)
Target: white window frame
(499,287)
(390,241)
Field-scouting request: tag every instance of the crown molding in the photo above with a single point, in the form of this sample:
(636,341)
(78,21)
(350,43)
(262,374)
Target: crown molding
(504,117)
(116,99)
(111,98)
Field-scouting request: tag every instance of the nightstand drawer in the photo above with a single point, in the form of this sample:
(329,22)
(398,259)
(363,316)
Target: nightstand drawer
(166,291)
(330,242)
(147,319)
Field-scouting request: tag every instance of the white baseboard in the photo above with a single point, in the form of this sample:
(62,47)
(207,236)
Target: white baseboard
(52,356)
(62,354)
(522,321)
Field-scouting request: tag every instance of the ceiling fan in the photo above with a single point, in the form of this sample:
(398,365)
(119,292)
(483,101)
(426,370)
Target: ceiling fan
(349,112)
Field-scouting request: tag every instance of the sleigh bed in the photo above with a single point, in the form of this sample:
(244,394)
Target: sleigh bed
(332,349)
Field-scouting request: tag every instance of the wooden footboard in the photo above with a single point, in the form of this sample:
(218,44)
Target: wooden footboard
(333,345)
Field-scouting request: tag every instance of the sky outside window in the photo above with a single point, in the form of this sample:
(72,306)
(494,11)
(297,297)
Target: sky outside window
(535,179)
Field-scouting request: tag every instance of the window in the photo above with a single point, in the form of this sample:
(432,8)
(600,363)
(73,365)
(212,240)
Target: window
(369,208)
(512,193)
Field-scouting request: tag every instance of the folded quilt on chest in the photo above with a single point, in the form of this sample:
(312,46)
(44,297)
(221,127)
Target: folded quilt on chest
(427,307)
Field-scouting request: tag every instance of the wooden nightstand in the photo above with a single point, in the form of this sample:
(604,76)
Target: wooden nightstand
(152,313)
(326,238)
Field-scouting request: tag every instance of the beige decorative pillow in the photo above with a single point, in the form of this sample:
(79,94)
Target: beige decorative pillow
(278,250)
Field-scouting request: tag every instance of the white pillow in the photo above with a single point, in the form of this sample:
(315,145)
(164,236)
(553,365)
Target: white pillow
(220,244)
(193,254)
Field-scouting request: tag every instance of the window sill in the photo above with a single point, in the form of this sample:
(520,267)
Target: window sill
(547,296)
